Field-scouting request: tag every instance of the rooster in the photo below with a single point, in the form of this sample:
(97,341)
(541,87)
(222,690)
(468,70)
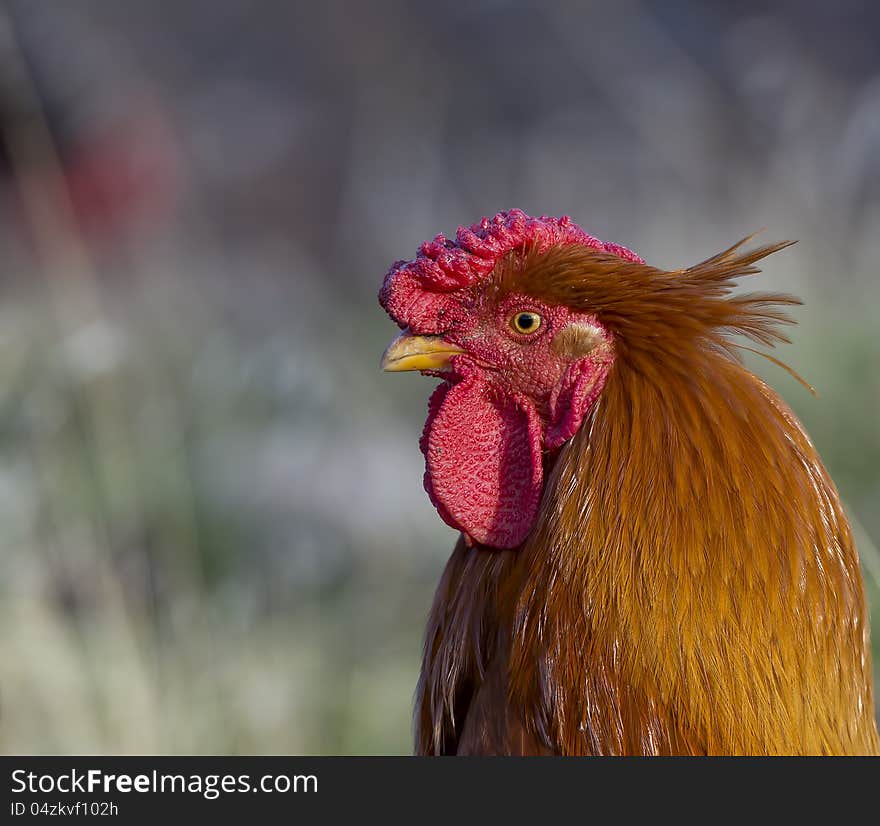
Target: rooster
(652,558)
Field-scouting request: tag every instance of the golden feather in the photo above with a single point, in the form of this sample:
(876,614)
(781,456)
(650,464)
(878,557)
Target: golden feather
(692,585)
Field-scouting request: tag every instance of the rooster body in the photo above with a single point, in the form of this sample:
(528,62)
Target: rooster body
(653,559)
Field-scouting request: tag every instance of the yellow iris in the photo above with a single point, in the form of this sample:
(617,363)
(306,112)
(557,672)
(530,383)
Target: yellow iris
(526,322)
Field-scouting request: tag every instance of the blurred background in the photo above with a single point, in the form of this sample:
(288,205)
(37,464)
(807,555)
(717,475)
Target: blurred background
(213,535)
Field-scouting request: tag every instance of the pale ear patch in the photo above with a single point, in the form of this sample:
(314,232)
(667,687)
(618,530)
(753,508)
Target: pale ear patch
(577,339)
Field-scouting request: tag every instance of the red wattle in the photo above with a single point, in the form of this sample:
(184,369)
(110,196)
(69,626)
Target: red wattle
(484,466)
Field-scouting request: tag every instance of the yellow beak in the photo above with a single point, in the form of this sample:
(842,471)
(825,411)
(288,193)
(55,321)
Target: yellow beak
(409,352)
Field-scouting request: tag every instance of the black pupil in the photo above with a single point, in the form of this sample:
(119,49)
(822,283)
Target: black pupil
(526,321)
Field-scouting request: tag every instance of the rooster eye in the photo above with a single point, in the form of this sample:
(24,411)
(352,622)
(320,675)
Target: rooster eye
(526,322)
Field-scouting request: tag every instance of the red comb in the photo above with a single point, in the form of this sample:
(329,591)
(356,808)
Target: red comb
(417,293)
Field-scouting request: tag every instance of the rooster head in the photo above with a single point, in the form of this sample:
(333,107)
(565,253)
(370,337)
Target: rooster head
(519,374)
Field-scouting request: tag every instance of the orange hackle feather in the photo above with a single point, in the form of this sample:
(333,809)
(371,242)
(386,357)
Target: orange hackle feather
(692,585)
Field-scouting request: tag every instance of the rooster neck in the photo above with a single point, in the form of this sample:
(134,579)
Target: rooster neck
(670,600)
(692,583)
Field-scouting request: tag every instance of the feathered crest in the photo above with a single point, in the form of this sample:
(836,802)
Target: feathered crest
(656,312)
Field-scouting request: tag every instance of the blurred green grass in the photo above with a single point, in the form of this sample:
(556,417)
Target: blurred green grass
(153,600)
(141,609)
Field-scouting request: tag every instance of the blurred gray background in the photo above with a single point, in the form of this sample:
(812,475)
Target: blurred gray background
(213,535)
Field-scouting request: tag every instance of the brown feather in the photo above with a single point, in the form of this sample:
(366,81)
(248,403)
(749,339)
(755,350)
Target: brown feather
(692,585)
